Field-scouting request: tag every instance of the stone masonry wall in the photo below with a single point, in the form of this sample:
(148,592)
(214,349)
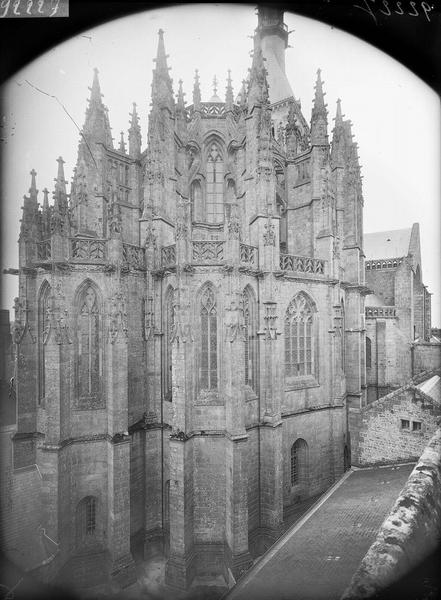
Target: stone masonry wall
(426,357)
(377,432)
(410,532)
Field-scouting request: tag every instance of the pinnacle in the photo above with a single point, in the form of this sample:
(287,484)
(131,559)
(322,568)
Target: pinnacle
(196,89)
(60,182)
(33,188)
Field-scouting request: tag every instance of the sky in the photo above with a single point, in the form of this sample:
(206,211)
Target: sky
(395,115)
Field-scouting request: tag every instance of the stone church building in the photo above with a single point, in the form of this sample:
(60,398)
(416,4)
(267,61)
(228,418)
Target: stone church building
(189,330)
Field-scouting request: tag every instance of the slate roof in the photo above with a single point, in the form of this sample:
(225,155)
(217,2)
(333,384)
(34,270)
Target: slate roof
(278,84)
(387,244)
(431,387)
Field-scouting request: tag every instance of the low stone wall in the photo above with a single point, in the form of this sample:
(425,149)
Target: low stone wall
(410,533)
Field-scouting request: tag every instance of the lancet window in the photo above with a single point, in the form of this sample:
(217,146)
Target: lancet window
(196,201)
(299,337)
(89,346)
(43,316)
(215,186)
(299,462)
(208,357)
(169,327)
(86,518)
(250,338)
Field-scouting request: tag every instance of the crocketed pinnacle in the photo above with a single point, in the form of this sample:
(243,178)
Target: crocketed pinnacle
(33,189)
(319,115)
(162,88)
(122,144)
(60,182)
(180,103)
(196,90)
(229,96)
(258,86)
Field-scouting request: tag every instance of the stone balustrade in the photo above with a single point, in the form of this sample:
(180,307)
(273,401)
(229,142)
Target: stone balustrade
(208,252)
(375,265)
(302,264)
(381,312)
(88,250)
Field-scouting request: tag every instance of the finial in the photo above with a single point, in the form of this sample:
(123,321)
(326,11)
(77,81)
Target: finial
(215,85)
(33,188)
(45,199)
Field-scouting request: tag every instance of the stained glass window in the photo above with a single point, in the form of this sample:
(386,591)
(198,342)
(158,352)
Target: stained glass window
(299,339)
(215,186)
(208,314)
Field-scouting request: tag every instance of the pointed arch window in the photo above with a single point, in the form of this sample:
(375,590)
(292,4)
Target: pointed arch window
(299,462)
(368,353)
(89,367)
(299,338)
(196,201)
(250,338)
(43,316)
(215,186)
(169,327)
(208,358)
(86,519)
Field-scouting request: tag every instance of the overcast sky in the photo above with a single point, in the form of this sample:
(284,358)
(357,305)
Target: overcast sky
(396,117)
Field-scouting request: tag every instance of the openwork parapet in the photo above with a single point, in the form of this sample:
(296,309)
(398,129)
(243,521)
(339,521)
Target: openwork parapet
(88,250)
(302,264)
(248,255)
(391,263)
(380,311)
(134,256)
(208,252)
(168,256)
(44,250)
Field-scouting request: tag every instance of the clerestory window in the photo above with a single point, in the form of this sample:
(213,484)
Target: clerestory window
(299,337)
(215,186)
(208,357)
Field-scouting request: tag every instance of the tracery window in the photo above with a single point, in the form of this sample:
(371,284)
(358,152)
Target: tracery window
(169,325)
(43,316)
(299,337)
(208,359)
(250,338)
(215,186)
(89,344)
(299,462)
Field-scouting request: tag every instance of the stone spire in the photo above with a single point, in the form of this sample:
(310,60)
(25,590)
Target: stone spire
(96,126)
(181,117)
(196,91)
(162,88)
(319,116)
(60,181)
(134,133)
(33,192)
(229,96)
(258,86)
